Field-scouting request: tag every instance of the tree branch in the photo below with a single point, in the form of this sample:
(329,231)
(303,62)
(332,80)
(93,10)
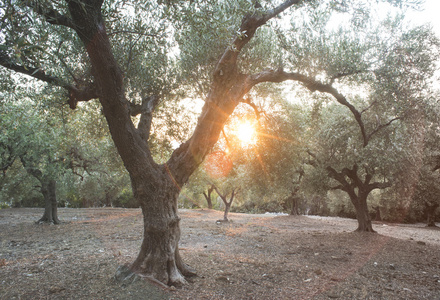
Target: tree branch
(249,26)
(51,15)
(313,85)
(76,94)
(146,111)
(381,126)
(249,102)
(84,94)
(37,73)
(344,74)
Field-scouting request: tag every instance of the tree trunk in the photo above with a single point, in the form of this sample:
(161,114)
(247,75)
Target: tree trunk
(48,189)
(294,211)
(431,216)
(159,255)
(209,202)
(378,216)
(227,208)
(362,214)
(208,196)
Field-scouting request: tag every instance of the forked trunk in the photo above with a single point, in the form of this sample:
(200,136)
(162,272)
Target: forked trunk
(48,189)
(159,255)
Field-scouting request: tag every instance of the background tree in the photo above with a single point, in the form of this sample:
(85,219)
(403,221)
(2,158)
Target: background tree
(33,137)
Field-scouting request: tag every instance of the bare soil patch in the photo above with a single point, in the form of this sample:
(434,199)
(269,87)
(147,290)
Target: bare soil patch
(252,257)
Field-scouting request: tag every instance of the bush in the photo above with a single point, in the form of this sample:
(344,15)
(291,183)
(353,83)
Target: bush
(125,199)
(4,205)
(266,204)
(34,201)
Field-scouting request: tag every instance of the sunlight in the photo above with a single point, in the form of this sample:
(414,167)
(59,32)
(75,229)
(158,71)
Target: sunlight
(246,133)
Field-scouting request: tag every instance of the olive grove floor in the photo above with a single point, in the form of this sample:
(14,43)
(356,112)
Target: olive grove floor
(252,257)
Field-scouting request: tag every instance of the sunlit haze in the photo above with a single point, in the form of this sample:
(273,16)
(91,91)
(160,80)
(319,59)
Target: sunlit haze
(246,133)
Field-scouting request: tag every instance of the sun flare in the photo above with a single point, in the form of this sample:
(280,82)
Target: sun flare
(246,133)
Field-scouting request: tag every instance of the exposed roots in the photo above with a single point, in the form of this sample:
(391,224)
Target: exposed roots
(367,229)
(126,276)
(45,220)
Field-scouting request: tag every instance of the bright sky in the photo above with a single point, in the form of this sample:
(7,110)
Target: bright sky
(429,14)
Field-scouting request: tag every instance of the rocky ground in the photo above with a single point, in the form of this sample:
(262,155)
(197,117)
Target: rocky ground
(252,257)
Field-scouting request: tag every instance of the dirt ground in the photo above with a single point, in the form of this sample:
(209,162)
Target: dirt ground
(252,257)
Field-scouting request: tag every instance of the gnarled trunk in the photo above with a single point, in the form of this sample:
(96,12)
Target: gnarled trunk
(362,214)
(48,189)
(159,255)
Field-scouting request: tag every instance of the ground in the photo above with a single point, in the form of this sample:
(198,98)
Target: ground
(252,257)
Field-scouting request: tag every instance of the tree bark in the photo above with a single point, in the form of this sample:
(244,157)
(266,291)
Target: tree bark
(159,255)
(431,215)
(227,209)
(48,189)
(362,214)
(295,210)
(208,196)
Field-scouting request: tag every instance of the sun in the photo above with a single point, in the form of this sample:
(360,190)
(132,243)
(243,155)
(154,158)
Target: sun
(246,133)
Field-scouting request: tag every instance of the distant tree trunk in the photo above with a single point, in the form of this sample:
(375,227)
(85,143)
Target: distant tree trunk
(431,215)
(48,189)
(208,196)
(378,216)
(227,208)
(358,191)
(295,209)
(294,193)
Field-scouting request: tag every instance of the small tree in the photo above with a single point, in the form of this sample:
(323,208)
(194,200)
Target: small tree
(227,203)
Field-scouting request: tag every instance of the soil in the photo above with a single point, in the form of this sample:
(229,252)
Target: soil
(252,257)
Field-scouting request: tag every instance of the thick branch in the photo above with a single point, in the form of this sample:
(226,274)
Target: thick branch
(313,85)
(249,102)
(76,94)
(31,170)
(249,26)
(81,94)
(381,126)
(37,73)
(146,111)
(51,15)
(223,196)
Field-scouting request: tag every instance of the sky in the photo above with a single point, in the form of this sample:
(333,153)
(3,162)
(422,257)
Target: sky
(429,14)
